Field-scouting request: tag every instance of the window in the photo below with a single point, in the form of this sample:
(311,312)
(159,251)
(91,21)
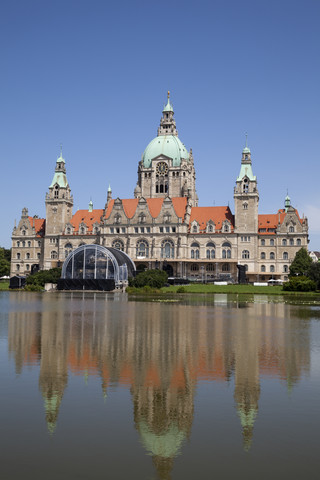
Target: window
(284,242)
(142,218)
(23,232)
(173,229)
(225,267)
(142,249)
(56,191)
(272,268)
(291,229)
(272,255)
(27,255)
(38,256)
(167,249)
(245,187)
(226,228)
(23,243)
(118,244)
(123,229)
(68,231)
(285,256)
(272,242)
(82,231)
(29,244)
(18,267)
(161,229)
(263,268)
(263,255)
(298,241)
(194,267)
(263,242)
(245,206)
(291,241)
(195,250)
(285,269)
(194,228)
(54,254)
(210,253)
(27,267)
(226,250)
(245,254)
(141,230)
(210,267)
(67,249)
(18,256)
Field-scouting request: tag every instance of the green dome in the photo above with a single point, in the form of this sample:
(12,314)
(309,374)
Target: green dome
(168,145)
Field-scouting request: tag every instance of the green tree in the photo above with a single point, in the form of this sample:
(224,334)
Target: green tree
(314,273)
(301,263)
(44,276)
(5,259)
(151,278)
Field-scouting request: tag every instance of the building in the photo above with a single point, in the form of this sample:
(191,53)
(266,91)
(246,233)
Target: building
(162,226)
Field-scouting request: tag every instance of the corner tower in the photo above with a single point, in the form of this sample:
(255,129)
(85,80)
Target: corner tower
(246,197)
(166,167)
(59,201)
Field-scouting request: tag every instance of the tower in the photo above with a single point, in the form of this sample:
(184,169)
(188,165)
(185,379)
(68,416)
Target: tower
(166,167)
(246,197)
(59,201)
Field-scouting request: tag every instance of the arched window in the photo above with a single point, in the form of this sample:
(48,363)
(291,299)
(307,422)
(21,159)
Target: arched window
(272,268)
(263,242)
(27,267)
(54,254)
(272,256)
(210,253)
(23,232)
(118,244)
(167,249)
(23,243)
(284,242)
(195,228)
(263,255)
(18,244)
(56,191)
(263,268)
(245,206)
(272,242)
(285,256)
(195,250)
(18,256)
(18,267)
(298,241)
(210,228)
(142,249)
(285,269)
(29,244)
(68,231)
(67,249)
(291,241)
(245,254)
(245,187)
(291,229)
(38,256)
(226,250)
(27,255)
(39,243)
(225,267)
(82,230)
(210,267)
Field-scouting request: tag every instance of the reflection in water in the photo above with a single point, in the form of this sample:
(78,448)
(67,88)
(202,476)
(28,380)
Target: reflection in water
(161,351)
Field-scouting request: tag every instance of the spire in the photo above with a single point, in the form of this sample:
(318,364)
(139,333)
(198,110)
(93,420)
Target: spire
(246,164)
(90,206)
(60,177)
(109,194)
(246,148)
(167,122)
(287,202)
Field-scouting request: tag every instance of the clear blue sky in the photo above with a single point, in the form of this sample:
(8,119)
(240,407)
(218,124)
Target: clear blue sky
(93,75)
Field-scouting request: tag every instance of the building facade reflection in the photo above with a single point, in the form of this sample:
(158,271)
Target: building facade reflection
(161,352)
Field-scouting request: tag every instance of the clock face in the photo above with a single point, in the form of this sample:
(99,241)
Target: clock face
(162,168)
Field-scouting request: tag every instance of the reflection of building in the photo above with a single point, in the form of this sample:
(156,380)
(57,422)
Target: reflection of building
(160,351)
(163,226)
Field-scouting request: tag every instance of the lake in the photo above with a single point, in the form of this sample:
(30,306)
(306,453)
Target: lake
(103,386)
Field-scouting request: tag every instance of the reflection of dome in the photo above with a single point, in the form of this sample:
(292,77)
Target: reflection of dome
(168,145)
(165,445)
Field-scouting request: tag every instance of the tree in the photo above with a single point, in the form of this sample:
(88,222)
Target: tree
(314,273)
(301,263)
(5,259)
(151,278)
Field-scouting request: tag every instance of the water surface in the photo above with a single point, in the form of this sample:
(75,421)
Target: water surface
(96,386)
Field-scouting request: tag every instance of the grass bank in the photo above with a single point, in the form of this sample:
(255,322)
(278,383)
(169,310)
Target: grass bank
(4,285)
(210,289)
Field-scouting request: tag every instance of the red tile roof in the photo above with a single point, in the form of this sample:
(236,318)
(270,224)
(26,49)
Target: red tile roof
(39,225)
(217,214)
(89,218)
(271,221)
(154,206)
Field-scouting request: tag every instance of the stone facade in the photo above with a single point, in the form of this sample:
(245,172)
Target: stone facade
(163,226)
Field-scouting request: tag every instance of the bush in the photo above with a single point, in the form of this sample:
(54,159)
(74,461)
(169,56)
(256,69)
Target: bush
(150,278)
(181,290)
(44,276)
(300,284)
(33,288)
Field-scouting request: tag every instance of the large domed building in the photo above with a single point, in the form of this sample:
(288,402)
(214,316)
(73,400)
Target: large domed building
(162,226)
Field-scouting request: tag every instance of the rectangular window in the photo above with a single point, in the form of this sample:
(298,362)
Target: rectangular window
(167,229)
(123,230)
(161,229)
(142,230)
(136,230)
(111,230)
(118,230)
(173,229)
(148,229)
